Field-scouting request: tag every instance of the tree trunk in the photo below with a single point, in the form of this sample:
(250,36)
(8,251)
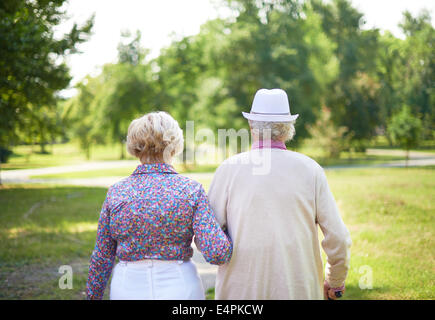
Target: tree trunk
(390,141)
(42,142)
(122,151)
(42,146)
(407,157)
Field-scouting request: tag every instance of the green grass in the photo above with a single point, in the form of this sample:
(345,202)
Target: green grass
(389,212)
(42,228)
(209,294)
(391,216)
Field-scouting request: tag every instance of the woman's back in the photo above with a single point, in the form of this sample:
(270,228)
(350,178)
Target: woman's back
(152,215)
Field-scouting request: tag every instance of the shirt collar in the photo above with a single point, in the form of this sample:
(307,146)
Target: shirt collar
(154,168)
(260,144)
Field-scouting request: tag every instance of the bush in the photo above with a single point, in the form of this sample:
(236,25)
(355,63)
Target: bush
(330,138)
(405,129)
(4,154)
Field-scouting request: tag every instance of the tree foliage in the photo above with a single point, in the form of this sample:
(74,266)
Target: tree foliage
(106,104)
(32,68)
(318,52)
(405,129)
(330,138)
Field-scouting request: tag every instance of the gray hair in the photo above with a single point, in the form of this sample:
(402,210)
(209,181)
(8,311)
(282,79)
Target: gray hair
(281,131)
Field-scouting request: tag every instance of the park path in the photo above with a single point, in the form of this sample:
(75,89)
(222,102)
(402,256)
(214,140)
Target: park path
(23,175)
(207,272)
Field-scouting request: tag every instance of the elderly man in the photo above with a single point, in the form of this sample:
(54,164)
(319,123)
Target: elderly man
(271,200)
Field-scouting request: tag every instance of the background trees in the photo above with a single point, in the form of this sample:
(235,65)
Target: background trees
(32,68)
(80,117)
(106,104)
(317,51)
(353,95)
(417,69)
(270,45)
(405,129)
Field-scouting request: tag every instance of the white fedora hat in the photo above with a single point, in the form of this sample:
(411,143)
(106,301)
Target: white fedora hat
(270,105)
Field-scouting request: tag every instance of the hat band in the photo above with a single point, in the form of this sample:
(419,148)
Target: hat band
(276,114)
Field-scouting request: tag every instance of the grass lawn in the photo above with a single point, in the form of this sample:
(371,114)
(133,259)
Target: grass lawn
(42,228)
(389,212)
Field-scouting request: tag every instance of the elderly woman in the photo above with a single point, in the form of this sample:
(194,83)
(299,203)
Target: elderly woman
(273,215)
(148,221)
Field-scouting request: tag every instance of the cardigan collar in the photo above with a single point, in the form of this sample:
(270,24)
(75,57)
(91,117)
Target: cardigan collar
(154,168)
(260,144)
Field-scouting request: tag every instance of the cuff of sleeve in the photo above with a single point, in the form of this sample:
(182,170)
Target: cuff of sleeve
(338,288)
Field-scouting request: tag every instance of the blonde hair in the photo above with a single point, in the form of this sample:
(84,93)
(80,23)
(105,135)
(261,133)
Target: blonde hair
(281,131)
(155,137)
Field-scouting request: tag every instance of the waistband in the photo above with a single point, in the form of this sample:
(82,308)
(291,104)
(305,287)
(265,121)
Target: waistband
(151,262)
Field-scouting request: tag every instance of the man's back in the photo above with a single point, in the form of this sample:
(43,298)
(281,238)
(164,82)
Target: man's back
(271,201)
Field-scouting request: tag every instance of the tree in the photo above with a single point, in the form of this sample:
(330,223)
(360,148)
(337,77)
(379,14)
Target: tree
(127,92)
(4,155)
(129,48)
(417,68)
(406,72)
(32,66)
(353,96)
(80,114)
(388,75)
(405,130)
(326,135)
(277,44)
(179,71)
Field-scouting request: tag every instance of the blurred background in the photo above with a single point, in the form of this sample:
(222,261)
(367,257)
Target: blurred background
(74,74)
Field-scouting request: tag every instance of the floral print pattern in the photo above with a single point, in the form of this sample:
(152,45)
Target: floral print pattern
(154,214)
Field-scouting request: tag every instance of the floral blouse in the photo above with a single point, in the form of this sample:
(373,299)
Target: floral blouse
(154,214)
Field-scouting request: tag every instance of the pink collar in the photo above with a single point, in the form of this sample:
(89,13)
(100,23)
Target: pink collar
(268,144)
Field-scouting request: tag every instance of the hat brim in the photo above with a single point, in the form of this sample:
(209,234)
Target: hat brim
(269,117)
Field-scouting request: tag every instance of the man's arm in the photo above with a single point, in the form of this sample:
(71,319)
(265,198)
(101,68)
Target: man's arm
(337,241)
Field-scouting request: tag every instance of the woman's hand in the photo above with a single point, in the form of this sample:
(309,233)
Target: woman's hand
(332,293)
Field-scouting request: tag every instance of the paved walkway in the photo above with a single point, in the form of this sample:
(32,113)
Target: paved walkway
(206,271)
(23,175)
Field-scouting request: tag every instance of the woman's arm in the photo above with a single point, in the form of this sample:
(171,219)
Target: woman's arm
(218,195)
(102,258)
(214,244)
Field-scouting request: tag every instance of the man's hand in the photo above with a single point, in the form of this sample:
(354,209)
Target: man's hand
(332,294)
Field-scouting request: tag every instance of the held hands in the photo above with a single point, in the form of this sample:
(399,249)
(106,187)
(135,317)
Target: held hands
(332,293)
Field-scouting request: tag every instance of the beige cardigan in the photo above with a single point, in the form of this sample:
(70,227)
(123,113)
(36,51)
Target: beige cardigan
(271,201)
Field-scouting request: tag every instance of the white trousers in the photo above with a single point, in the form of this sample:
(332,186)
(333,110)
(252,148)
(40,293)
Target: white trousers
(156,279)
